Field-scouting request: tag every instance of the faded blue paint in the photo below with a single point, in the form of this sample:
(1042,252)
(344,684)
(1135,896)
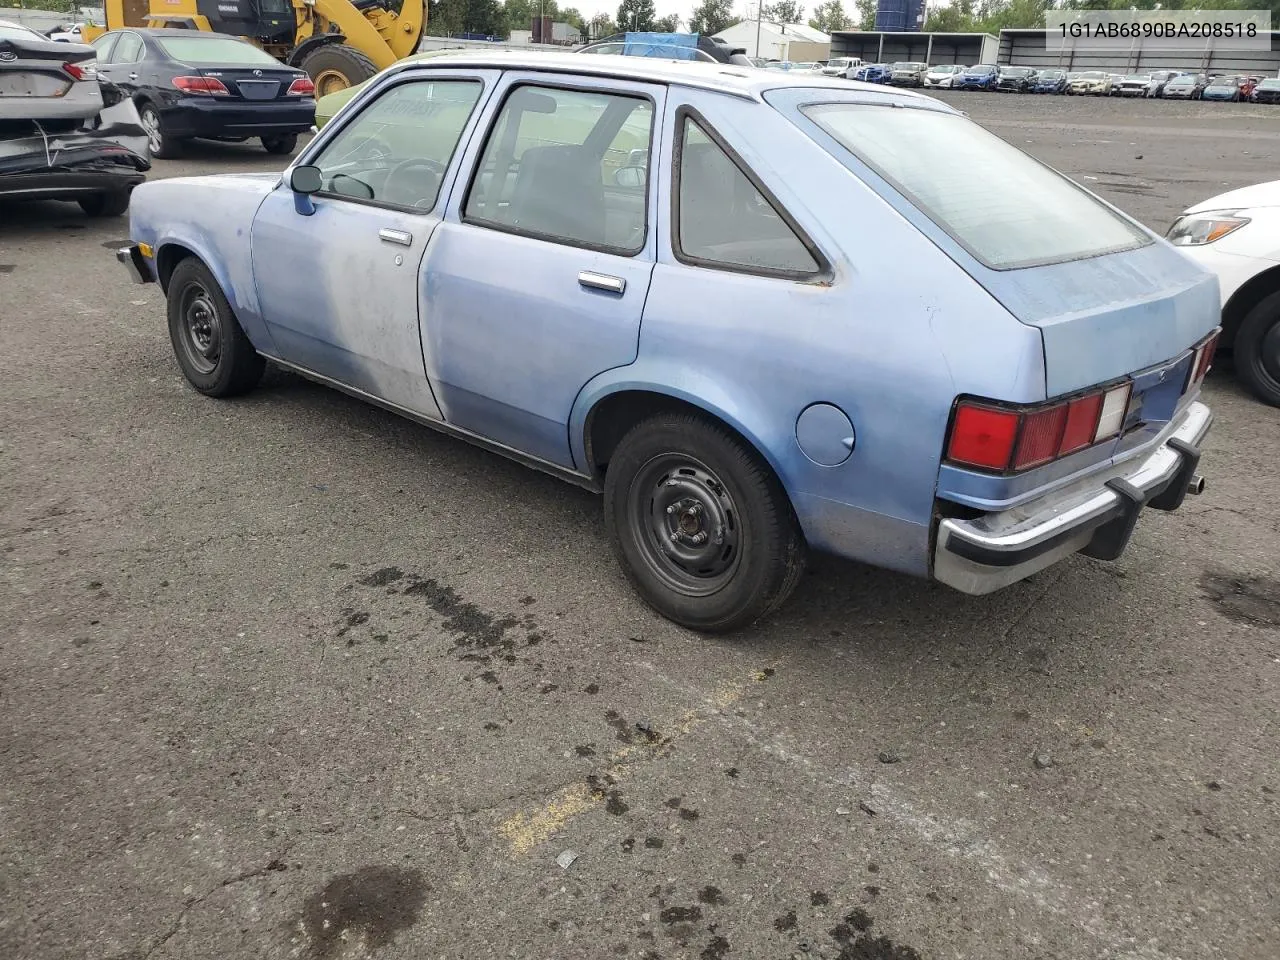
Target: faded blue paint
(513,349)
(211,217)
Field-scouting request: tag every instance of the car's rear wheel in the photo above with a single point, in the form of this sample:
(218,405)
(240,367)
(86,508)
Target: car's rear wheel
(108,204)
(1257,350)
(161,145)
(211,348)
(283,143)
(700,524)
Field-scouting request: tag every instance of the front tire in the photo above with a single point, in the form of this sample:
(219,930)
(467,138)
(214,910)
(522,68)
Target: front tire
(212,350)
(282,144)
(700,524)
(1257,350)
(336,66)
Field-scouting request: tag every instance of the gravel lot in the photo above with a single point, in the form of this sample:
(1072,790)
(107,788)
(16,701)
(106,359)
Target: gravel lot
(291,677)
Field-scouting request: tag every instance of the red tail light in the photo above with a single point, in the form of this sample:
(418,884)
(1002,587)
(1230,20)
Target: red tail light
(302,87)
(1011,440)
(1203,362)
(202,86)
(81,71)
(983,436)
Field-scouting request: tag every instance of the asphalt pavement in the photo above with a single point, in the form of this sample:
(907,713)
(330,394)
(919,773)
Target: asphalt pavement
(290,677)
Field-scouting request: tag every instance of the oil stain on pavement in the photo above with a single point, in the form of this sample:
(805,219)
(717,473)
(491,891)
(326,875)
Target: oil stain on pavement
(371,905)
(1253,600)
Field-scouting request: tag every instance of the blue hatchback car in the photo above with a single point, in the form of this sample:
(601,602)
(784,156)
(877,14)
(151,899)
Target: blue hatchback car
(748,307)
(983,76)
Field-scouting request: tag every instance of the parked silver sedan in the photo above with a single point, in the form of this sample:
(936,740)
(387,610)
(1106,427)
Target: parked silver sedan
(43,79)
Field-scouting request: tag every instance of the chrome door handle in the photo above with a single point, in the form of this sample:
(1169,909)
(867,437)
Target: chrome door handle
(598,281)
(402,237)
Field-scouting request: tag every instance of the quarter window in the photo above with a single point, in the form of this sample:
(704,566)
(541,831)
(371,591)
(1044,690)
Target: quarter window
(396,151)
(569,166)
(723,220)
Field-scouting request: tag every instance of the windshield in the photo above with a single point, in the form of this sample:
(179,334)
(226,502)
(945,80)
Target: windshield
(1016,71)
(1223,82)
(1019,213)
(220,50)
(1137,76)
(1052,75)
(1270,84)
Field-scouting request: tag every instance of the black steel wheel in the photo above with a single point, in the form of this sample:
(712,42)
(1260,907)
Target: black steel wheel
(700,524)
(1257,350)
(211,348)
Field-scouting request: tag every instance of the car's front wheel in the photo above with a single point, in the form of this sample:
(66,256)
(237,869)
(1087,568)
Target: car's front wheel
(1257,350)
(280,144)
(211,348)
(700,523)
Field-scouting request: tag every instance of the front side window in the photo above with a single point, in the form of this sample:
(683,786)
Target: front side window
(723,220)
(569,166)
(1019,213)
(397,149)
(103,46)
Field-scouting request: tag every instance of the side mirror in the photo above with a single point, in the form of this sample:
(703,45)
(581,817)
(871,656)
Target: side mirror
(305,180)
(630,176)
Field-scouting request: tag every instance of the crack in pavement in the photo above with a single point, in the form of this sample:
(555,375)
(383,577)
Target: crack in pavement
(273,865)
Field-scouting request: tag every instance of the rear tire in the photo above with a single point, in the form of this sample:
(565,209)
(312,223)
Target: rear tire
(282,144)
(336,66)
(113,204)
(161,145)
(700,525)
(214,354)
(1257,350)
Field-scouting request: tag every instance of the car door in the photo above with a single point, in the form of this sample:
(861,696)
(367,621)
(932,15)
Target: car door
(337,276)
(122,64)
(536,280)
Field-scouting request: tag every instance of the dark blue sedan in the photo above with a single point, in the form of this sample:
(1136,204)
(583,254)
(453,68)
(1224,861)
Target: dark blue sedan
(981,77)
(1050,81)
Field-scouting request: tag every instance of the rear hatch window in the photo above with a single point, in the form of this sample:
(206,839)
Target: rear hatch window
(1004,207)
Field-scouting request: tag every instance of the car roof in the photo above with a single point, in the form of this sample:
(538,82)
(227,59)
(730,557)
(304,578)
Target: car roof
(741,81)
(174,32)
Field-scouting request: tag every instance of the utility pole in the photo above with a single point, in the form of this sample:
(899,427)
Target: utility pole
(759,14)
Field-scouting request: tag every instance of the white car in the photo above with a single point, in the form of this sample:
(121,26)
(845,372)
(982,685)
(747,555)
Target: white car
(943,74)
(841,67)
(1237,236)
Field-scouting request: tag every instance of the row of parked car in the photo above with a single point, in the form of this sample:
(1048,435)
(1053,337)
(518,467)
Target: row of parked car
(1166,84)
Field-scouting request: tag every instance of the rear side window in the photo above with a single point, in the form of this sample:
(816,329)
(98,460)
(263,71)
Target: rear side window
(128,49)
(1001,205)
(723,220)
(570,166)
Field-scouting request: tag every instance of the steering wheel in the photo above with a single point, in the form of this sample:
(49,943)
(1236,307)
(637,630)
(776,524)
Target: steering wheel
(417,190)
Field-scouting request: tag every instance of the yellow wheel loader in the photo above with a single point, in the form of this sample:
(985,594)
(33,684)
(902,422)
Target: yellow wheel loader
(338,42)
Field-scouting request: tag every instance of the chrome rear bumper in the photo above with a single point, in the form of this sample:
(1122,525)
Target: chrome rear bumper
(992,551)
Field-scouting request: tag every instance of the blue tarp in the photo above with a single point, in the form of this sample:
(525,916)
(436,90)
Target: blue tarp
(669,46)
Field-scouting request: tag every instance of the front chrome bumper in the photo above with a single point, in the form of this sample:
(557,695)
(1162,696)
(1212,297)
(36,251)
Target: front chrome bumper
(135,263)
(994,550)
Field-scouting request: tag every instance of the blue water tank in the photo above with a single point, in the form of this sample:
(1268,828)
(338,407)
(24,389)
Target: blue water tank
(897,16)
